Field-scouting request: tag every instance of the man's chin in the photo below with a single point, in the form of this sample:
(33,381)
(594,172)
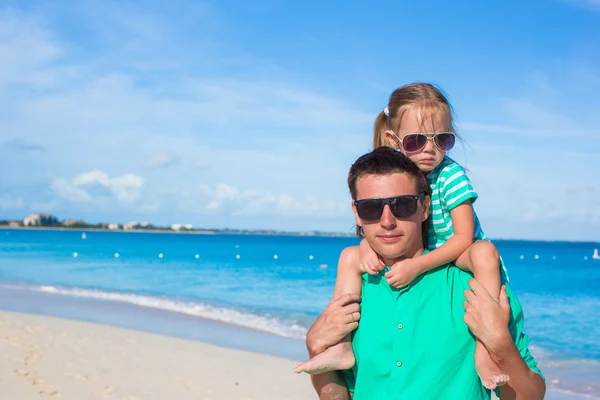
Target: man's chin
(391,251)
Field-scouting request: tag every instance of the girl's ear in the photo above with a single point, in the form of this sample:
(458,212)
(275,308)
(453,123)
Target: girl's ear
(393,140)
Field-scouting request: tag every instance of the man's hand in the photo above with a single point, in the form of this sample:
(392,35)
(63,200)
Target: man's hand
(402,273)
(369,261)
(339,318)
(487,318)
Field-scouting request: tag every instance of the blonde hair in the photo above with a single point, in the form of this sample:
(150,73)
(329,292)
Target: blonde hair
(425,96)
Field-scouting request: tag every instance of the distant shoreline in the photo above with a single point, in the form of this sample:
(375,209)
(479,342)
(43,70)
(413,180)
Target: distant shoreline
(170,231)
(247,233)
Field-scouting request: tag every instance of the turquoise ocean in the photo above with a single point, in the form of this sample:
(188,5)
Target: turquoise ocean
(261,293)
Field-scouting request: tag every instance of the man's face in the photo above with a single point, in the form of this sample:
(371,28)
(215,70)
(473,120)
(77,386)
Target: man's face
(391,237)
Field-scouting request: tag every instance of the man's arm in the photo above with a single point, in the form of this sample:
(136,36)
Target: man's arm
(339,318)
(331,326)
(488,320)
(329,385)
(524,383)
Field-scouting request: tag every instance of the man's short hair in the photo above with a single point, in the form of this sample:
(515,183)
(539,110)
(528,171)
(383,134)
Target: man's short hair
(384,161)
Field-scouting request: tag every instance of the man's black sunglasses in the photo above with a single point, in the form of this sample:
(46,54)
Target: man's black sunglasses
(370,210)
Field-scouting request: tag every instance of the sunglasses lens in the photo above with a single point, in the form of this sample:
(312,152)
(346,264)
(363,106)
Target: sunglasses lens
(370,210)
(404,206)
(445,141)
(414,142)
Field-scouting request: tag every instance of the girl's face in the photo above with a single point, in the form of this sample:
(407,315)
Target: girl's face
(414,121)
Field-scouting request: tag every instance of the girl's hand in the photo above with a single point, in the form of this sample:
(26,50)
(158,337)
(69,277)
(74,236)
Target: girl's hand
(369,261)
(402,273)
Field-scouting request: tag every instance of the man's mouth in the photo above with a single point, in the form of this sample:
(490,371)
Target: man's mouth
(389,238)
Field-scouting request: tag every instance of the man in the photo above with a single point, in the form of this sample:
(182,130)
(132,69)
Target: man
(416,342)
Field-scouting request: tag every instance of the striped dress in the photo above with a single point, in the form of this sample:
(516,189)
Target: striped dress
(450,186)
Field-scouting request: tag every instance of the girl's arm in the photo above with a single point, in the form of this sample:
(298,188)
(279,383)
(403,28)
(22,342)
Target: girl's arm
(463,223)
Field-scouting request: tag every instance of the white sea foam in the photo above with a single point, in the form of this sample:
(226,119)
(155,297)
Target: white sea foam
(263,323)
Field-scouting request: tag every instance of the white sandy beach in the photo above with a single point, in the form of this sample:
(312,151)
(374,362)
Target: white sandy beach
(43,357)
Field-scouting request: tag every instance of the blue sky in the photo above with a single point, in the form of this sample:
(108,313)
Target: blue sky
(249,114)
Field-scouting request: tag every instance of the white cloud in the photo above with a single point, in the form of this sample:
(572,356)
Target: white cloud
(35,66)
(593,5)
(578,211)
(66,190)
(11,204)
(540,211)
(164,158)
(233,201)
(125,188)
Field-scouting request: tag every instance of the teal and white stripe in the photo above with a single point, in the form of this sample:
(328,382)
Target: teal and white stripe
(450,186)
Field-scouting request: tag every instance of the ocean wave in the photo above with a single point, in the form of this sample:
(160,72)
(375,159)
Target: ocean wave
(265,323)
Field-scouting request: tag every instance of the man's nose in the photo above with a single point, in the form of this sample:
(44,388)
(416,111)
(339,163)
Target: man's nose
(388,220)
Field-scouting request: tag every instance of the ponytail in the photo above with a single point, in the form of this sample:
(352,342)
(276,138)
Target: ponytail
(379,128)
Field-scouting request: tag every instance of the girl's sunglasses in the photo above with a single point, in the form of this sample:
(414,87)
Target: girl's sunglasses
(413,142)
(370,210)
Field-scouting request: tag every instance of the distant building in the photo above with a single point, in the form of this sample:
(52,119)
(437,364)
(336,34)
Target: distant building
(132,225)
(40,220)
(73,222)
(14,224)
(114,227)
(179,227)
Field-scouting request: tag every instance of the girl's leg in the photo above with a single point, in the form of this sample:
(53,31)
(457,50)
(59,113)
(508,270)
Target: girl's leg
(339,356)
(483,260)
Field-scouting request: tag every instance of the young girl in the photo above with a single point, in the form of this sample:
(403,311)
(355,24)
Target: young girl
(418,121)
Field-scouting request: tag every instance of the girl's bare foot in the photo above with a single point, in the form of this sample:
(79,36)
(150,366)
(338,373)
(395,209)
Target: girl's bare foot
(489,373)
(337,357)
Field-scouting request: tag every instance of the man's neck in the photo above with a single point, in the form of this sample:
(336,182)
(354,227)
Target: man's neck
(412,254)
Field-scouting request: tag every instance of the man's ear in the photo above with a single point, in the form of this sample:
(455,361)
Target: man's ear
(393,140)
(358,221)
(426,201)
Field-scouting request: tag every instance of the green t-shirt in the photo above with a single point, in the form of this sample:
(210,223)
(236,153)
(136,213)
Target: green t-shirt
(412,343)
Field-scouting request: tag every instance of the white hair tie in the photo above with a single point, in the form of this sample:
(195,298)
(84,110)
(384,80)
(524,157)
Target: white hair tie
(386,111)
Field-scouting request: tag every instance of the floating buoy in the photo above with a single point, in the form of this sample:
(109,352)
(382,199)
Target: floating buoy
(237,256)
(83,236)
(554,257)
(536,257)
(75,254)
(160,255)
(323,266)
(116,255)
(310,257)
(585,258)
(237,246)
(197,256)
(275,256)
(522,257)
